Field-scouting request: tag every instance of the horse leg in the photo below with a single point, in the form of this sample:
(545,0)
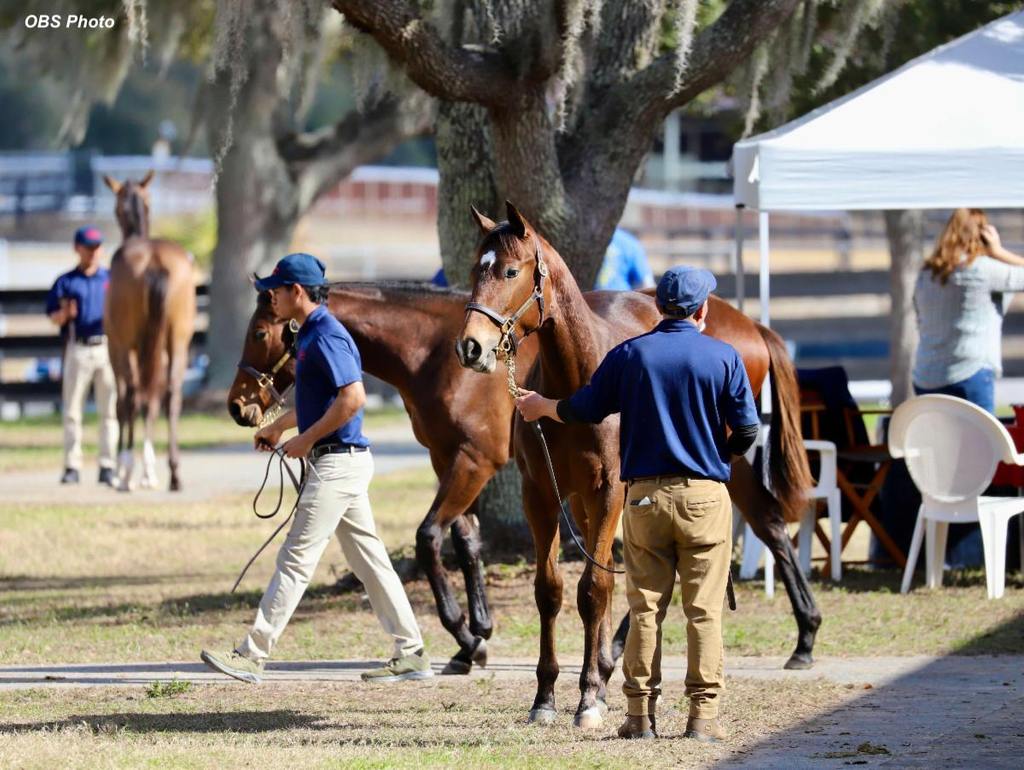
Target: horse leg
(547,592)
(765,517)
(619,640)
(175,382)
(126,407)
(466,539)
(460,485)
(149,479)
(593,598)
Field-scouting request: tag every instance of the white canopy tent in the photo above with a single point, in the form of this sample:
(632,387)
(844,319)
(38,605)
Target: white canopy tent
(944,130)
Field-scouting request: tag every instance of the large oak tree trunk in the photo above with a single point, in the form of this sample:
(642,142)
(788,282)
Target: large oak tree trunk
(904,230)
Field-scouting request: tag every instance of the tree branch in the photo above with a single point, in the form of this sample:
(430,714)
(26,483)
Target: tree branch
(456,74)
(717,50)
(318,160)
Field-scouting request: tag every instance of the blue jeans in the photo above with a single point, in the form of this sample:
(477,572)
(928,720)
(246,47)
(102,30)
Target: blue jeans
(964,547)
(979,388)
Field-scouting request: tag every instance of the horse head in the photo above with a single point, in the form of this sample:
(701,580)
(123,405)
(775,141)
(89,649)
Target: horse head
(131,205)
(266,368)
(510,290)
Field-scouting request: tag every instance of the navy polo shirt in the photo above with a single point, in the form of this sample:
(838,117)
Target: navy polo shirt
(89,291)
(326,360)
(676,390)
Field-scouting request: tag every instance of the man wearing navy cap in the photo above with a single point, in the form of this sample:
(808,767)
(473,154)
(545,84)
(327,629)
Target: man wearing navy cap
(75,304)
(329,399)
(677,391)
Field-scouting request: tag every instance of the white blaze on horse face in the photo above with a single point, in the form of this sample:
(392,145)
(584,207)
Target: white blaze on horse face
(487,260)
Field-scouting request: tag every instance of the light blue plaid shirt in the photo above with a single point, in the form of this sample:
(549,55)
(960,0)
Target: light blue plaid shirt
(961,323)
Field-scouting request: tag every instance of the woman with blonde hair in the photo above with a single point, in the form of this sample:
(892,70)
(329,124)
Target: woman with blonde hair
(960,299)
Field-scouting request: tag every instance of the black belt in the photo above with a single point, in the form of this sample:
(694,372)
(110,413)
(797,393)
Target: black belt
(96,339)
(335,449)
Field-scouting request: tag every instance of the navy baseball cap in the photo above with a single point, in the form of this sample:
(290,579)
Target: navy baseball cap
(88,236)
(303,269)
(685,288)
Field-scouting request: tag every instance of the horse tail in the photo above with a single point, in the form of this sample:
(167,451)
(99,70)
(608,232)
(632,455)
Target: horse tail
(152,348)
(787,459)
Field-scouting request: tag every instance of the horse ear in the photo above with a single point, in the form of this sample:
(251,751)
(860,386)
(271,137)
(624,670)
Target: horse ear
(113,184)
(146,179)
(518,222)
(485,223)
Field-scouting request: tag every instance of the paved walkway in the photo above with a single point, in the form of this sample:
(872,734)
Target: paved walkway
(205,473)
(914,711)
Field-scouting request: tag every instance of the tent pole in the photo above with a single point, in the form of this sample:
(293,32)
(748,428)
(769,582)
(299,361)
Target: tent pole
(764,296)
(763,290)
(737,258)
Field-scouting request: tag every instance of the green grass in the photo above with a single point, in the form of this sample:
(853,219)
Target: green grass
(38,442)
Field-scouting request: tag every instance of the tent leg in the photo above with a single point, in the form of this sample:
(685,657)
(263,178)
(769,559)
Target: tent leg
(764,296)
(737,259)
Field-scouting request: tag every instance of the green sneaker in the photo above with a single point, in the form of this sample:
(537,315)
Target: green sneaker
(233,664)
(414,666)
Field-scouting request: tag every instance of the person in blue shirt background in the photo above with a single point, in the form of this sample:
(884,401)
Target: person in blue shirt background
(624,267)
(329,399)
(677,392)
(625,264)
(75,304)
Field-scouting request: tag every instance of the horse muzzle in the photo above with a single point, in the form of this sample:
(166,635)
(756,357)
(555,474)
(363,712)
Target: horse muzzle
(246,415)
(473,355)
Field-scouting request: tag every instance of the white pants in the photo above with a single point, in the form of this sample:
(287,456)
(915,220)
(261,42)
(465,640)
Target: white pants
(85,365)
(334,500)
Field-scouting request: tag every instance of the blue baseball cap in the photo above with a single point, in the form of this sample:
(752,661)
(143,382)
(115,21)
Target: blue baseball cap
(684,289)
(88,236)
(303,269)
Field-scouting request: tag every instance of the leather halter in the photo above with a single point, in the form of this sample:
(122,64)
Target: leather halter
(507,325)
(265,380)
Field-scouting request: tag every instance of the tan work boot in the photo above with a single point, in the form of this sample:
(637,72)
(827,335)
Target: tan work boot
(704,730)
(637,727)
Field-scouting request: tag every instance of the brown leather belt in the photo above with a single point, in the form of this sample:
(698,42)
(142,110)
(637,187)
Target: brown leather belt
(667,477)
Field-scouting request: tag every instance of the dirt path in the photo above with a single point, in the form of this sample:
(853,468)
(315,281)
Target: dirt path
(205,473)
(920,711)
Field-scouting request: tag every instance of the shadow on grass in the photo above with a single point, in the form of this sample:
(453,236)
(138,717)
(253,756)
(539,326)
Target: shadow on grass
(202,722)
(965,709)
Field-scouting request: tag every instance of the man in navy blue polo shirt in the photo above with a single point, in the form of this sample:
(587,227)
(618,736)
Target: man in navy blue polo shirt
(329,399)
(677,391)
(75,304)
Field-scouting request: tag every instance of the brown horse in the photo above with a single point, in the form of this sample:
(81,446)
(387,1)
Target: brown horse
(404,334)
(522,285)
(149,318)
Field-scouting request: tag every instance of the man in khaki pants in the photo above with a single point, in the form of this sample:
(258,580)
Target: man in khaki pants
(676,391)
(328,412)
(75,304)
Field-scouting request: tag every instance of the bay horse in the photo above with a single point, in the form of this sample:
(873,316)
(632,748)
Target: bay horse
(149,318)
(404,333)
(521,285)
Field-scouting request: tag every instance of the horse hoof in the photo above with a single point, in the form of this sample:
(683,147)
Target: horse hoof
(589,719)
(479,654)
(799,662)
(457,667)
(542,717)
(175,485)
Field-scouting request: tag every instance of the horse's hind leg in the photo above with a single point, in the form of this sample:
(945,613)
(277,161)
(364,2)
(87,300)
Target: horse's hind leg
(460,484)
(593,597)
(175,383)
(765,517)
(466,539)
(149,479)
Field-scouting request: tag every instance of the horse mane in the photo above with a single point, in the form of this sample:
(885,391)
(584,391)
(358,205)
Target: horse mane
(136,222)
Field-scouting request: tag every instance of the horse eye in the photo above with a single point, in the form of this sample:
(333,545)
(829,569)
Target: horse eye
(260,335)
(511,272)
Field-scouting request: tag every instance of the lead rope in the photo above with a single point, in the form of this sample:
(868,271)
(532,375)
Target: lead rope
(513,390)
(298,483)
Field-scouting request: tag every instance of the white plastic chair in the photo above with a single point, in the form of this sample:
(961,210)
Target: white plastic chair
(826,489)
(951,448)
